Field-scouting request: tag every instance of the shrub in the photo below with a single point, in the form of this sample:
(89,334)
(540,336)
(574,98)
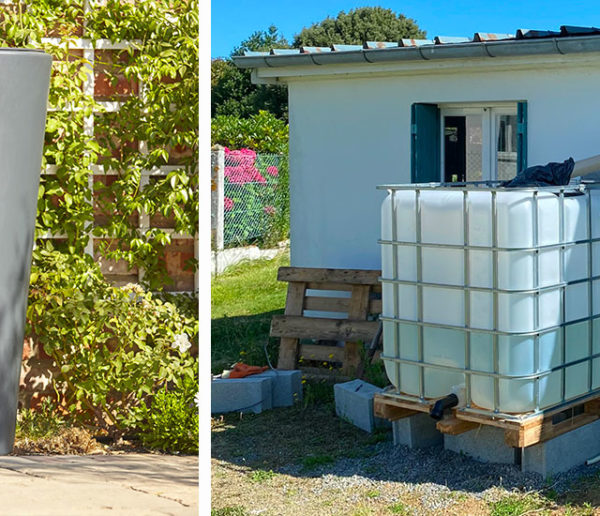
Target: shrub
(115,348)
(170,423)
(262,132)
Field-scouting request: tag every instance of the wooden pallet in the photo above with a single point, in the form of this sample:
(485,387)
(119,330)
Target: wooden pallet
(518,434)
(354,326)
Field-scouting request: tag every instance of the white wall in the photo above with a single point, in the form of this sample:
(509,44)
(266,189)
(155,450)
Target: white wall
(348,136)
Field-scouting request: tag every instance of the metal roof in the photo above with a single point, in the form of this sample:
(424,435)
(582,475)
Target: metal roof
(569,39)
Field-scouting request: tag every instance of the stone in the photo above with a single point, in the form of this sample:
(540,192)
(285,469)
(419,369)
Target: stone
(564,452)
(354,403)
(250,394)
(416,431)
(484,444)
(286,386)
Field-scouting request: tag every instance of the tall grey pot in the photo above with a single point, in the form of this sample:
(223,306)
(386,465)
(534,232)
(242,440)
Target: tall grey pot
(24,82)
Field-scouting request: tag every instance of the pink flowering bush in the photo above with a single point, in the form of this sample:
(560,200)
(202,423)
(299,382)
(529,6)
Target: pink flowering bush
(253,184)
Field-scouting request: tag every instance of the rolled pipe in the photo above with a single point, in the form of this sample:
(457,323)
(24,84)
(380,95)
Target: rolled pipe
(437,411)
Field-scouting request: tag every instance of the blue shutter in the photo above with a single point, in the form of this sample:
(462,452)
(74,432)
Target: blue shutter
(425,143)
(521,136)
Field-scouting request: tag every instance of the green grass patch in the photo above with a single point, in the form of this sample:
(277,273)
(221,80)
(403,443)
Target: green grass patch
(229,511)
(260,475)
(515,505)
(313,461)
(398,508)
(243,301)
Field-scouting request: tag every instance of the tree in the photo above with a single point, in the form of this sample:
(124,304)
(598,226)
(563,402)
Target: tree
(232,91)
(358,26)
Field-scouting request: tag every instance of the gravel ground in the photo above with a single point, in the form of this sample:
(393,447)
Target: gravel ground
(425,481)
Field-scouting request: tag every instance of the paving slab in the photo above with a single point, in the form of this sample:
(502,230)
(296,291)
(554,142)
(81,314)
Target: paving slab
(126,484)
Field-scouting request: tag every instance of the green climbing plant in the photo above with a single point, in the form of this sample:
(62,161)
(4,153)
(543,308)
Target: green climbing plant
(155,80)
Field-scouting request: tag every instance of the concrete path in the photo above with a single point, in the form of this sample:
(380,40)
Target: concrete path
(126,484)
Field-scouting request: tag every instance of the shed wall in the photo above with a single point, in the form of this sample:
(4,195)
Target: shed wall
(349,135)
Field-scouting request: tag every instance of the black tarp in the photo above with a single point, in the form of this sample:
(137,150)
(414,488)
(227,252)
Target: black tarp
(552,174)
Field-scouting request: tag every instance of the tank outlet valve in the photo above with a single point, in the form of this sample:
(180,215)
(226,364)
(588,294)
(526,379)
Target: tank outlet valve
(437,411)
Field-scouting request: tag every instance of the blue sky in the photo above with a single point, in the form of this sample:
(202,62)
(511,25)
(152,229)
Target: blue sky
(234,20)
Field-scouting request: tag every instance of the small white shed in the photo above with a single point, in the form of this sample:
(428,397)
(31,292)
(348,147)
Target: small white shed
(449,109)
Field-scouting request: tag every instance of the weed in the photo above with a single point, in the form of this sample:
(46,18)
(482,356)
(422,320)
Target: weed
(373,493)
(362,511)
(317,393)
(379,435)
(229,511)
(45,421)
(260,475)
(398,508)
(312,461)
(515,505)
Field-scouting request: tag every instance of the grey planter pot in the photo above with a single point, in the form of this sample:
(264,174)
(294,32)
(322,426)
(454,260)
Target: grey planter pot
(24,82)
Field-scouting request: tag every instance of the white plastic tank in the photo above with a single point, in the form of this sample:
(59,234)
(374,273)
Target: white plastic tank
(492,288)
(23,98)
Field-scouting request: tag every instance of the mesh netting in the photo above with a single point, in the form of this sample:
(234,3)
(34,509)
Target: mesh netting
(256,197)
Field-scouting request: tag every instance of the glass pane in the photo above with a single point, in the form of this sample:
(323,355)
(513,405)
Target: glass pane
(506,148)
(474,158)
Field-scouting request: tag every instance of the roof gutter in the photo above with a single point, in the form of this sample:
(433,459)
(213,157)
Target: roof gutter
(504,48)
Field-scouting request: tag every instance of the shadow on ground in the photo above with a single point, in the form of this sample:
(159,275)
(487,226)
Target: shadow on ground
(311,441)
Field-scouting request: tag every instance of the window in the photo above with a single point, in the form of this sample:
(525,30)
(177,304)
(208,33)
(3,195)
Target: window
(469,142)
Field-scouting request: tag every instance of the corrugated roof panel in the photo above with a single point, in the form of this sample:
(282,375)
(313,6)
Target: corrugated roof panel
(443,40)
(284,51)
(529,33)
(406,42)
(491,36)
(345,48)
(314,50)
(570,39)
(380,44)
(572,30)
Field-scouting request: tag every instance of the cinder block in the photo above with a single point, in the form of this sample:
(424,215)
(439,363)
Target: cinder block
(286,386)
(250,394)
(484,444)
(354,402)
(563,452)
(416,431)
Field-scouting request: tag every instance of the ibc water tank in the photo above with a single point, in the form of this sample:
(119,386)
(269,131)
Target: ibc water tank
(23,97)
(494,289)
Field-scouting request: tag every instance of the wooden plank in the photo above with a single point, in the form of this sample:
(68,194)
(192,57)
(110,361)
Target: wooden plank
(390,399)
(322,329)
(454,426)
(375,306)
(322,353)
(359,305)
(330,375)
(327,304)
(288,345)
(390,412)
(524,437)
(329,286)
(348,276)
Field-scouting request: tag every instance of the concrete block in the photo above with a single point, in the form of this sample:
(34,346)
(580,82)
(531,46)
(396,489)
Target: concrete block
(286,386)
(416,431)
(484,444)
(563,452)
(354,402)
(250,394)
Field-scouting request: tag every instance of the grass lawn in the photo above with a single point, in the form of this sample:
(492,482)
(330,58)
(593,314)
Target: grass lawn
(243,300)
